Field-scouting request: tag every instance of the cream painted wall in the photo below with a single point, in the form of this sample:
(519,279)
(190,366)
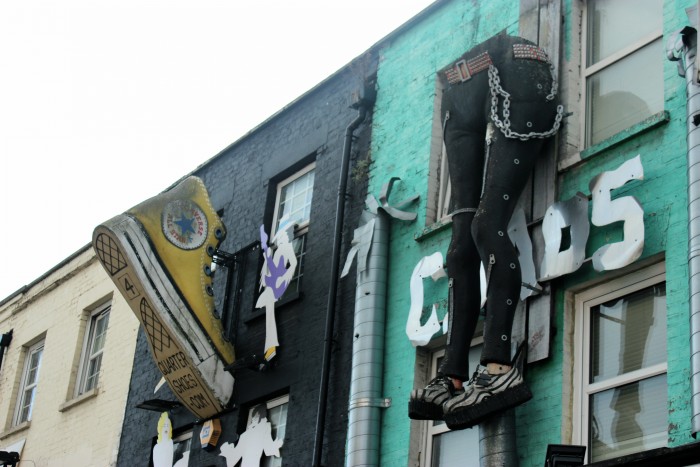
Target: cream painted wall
(65,429)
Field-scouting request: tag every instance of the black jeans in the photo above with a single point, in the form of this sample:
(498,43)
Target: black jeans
(485,191)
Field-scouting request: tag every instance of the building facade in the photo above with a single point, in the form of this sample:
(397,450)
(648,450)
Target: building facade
(608,318)
(68,346)
(601,229)
(289,165)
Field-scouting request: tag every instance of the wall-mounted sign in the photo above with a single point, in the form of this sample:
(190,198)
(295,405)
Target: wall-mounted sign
(563,220)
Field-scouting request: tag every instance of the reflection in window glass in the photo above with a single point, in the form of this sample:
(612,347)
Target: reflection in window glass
(612,27)
(295,200)
(30,381)
(623,95)
(628,419)
(624,65)
(456,448)
(628,334)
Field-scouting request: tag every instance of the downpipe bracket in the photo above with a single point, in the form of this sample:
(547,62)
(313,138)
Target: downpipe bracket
(381,402)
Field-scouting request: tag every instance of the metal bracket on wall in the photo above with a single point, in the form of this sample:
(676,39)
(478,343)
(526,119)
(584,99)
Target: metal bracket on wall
(381,402)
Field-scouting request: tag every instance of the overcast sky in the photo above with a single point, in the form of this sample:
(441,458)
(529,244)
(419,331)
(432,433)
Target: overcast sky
(106,103)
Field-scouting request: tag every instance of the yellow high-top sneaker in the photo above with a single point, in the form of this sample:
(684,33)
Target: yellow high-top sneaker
(159,255)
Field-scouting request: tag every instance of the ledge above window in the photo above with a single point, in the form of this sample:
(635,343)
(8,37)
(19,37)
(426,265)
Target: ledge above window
(654,121)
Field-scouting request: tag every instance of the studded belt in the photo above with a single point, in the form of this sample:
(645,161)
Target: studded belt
(463,69)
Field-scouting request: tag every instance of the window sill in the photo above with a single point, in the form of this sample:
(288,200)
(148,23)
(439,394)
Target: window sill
(78,400)
(650,123)
(16,429)
(433,229)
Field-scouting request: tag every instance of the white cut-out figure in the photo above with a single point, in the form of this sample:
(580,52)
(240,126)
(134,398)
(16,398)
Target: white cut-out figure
(164,449)
(279,264)
(256,440)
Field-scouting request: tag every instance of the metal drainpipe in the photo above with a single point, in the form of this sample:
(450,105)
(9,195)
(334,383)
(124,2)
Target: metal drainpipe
(333,287)
(686,43)
(366,380)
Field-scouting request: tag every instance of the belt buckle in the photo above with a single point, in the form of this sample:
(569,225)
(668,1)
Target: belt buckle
(463,70)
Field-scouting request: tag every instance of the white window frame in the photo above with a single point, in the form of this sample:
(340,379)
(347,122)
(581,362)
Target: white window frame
(589,71)
(301,228)
(87,356)
(271,404)
(432,429)
(583,302)
(26,385)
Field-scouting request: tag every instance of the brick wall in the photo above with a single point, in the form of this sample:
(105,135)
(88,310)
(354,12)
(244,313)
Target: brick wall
(242,181)
(401,147)
(65,429)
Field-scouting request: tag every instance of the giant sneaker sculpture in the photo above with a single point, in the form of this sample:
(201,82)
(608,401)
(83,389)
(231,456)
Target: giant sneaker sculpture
(159,255)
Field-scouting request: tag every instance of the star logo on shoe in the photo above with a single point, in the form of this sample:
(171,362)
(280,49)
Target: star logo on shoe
(184,224)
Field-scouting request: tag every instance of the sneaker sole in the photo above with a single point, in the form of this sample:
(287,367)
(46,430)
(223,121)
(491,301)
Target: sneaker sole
(422,410)
(179,346)
(468,417)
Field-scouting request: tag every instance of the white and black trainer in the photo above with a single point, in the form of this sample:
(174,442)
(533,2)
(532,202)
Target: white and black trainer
(427,403)
(485,395)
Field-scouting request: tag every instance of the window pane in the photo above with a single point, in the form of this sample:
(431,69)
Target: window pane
(30,380)
(628,334)
(628,419)
(295,200)
(459,447)
(277,416)
(625,93)
(616,24)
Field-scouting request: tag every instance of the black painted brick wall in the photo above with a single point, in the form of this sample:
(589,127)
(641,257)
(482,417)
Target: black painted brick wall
(242,181)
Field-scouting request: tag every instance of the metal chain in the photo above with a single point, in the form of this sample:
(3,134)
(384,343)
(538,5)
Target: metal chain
(504,125)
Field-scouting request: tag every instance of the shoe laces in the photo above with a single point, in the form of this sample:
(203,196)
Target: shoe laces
(444,381)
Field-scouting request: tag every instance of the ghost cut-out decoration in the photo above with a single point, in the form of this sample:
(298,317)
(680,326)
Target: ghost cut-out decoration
(255,441)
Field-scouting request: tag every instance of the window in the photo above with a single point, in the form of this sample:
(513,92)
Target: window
(275,411)
(439,195)
(623,65)
(445,447)
(620,366)
(293,207)
(29,382)
(91,360)
(182,444)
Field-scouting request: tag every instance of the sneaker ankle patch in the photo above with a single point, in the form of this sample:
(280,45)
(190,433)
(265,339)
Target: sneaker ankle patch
(184,224)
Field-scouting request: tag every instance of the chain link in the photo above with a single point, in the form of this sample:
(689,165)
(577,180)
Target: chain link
(504,125)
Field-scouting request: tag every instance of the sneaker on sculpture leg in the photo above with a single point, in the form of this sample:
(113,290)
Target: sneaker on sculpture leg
(487,394)
(159,255)
(426,403)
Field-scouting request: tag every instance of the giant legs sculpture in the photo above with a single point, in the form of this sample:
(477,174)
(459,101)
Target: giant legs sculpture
(498,107)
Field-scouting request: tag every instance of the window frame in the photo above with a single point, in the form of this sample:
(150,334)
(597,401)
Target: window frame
(300,231)
(271,404)
(588,71)
(37,347)
(86,355)
(583,302)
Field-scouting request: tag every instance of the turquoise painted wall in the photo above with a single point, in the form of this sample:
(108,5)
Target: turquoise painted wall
(402,125)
